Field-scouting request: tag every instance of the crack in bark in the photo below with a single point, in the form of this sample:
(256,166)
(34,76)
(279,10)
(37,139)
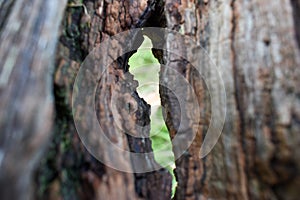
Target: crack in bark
(295,4)
(239,100)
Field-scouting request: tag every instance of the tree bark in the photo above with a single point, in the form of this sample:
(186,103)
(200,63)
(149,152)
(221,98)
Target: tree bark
(69,171)
(27,51)
(255,45)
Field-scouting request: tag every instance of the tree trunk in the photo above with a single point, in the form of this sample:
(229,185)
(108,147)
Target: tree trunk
(255,45)
(27,51)
(251,49)
(69,171)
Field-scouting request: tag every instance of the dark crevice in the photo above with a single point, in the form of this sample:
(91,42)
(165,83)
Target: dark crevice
(239,88)
(203,176)
(153,16)
(138,40)
(49,170)
(5,10)
(296,14)
(66,159)
(156,184)
(183,162)
(72,36)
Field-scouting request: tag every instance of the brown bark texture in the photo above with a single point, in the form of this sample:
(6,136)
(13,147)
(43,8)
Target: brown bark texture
(255,46)
(69,171)
(66,169)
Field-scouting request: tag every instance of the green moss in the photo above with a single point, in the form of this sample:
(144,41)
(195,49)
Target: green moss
(62,162)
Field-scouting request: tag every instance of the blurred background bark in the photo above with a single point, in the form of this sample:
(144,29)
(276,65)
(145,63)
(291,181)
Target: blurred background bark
(29,31)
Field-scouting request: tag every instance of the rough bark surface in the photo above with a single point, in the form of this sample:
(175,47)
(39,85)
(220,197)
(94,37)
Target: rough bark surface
(68,170)
(27,51)
(255,45)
